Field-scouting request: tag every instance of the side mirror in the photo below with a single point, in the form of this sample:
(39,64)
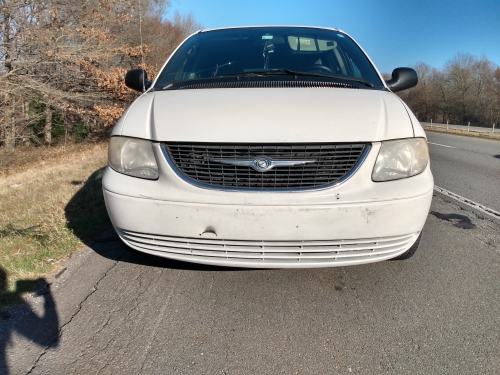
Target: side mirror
(402,79)
(137,79)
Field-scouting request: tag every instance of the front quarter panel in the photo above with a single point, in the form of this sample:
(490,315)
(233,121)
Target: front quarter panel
(417,128)
(137,121)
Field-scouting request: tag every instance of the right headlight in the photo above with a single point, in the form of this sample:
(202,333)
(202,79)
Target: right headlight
(401,158)
(133,157)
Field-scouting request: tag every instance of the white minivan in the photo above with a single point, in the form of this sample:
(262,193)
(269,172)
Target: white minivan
(269,147)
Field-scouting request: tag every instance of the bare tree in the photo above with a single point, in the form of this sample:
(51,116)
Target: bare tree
(66,60)
(467,89)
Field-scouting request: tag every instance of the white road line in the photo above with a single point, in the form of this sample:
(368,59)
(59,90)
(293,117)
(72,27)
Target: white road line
(486,210)
(437,144)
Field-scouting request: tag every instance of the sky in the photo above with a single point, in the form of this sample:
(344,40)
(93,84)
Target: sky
(393,33)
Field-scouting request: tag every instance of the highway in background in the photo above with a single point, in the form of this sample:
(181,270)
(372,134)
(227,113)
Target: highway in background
(465,127)
(467,166)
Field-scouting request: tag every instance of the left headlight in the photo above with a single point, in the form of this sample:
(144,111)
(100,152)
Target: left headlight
(401,158)
(133,157)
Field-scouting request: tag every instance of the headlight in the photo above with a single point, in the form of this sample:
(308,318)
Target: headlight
(400,159)
(133,157)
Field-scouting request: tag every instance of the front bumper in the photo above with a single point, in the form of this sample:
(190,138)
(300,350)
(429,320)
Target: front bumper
(356,222)
(269,236)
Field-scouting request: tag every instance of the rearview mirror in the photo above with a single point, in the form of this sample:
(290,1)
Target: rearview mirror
(137,79)
(402,79)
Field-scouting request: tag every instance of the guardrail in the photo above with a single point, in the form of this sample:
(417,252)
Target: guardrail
(462,127)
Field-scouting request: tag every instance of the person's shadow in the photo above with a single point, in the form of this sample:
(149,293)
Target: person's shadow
(42,330)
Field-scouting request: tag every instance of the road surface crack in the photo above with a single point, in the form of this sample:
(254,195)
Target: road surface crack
(159,319)
(94,289)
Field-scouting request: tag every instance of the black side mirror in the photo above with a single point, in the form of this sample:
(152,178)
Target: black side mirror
(402,79)
(137,79)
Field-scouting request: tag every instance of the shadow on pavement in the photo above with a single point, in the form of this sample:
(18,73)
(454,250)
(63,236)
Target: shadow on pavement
(107,243)
(41,330)
(87,218)
(86,212)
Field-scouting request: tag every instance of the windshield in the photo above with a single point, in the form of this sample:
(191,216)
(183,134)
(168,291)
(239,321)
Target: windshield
(229,52)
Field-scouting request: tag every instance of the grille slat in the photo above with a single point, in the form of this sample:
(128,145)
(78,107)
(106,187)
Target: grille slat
(332,251)
(333,162)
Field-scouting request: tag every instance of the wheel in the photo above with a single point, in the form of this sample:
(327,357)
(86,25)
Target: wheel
(409,253)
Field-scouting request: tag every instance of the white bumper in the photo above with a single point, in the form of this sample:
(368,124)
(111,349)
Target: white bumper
(356,222)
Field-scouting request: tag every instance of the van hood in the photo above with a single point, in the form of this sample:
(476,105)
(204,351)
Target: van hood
(264,115)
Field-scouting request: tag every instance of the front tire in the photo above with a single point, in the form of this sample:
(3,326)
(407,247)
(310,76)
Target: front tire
(409,253)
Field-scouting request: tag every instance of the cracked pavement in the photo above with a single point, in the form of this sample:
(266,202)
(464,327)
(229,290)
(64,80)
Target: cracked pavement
(122,312)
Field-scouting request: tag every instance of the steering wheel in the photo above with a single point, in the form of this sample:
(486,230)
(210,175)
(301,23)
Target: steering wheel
(316,68)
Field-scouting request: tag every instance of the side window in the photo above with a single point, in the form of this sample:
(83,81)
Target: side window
(180,73)
(326,45)
(355,69)
(302,44)
(310,44)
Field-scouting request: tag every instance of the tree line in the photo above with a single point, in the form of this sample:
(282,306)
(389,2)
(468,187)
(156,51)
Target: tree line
(63,63)
(467,89)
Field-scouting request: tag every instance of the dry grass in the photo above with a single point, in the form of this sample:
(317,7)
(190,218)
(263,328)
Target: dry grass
(48,208)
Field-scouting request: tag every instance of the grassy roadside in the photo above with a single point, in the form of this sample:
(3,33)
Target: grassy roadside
(472,133)
(50,203)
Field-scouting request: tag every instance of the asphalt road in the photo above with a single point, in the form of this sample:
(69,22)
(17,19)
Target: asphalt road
(122,312)
(467,166)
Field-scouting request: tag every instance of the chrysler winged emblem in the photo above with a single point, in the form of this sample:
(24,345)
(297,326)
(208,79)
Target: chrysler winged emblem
(262,163)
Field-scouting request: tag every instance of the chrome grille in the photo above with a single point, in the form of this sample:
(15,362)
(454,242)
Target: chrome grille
(332,164)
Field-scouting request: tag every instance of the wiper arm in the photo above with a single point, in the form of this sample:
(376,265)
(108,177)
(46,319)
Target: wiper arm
(262,73)
(256,73)
(360,80)
(247,74)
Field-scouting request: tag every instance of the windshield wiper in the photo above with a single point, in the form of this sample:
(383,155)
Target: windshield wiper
(261,73)
(247,74)
(237,75)
(269,72)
